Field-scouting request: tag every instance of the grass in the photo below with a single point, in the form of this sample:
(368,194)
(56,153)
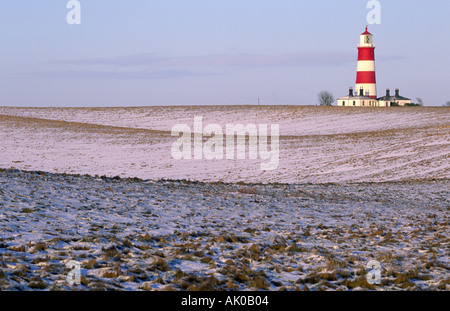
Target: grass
(37,283)
(259,282)
(359,282)
(240,255)
(40,246)
(332,264)
(111,252)
(18,248)
(160,265)
(207,259)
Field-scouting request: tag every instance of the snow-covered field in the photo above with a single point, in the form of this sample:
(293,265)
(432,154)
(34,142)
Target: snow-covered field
(317,144)
(353,185)
(130,234)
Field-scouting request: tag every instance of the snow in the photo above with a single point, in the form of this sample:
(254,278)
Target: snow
(317,144)
(99,185)
(286,233)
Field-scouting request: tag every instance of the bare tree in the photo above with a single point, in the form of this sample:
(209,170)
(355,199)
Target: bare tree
(325,98)
(419,101)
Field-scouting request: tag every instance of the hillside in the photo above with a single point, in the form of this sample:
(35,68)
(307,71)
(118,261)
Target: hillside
(317,144)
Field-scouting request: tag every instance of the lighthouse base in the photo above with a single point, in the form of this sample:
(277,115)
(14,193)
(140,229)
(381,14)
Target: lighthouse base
(369,90)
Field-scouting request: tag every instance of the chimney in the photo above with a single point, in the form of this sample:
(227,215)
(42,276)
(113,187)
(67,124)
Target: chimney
(388,93)
(361,92)
(397,92)
(350,92)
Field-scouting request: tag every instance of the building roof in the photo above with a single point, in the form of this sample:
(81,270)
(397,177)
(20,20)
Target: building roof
(393,98)
(401,98)
(386,98)
(366,32)
(356,97)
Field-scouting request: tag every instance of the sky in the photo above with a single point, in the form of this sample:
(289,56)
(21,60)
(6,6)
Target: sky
(216,52)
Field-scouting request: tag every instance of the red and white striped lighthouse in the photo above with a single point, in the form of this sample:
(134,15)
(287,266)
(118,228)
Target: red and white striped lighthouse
(365,73)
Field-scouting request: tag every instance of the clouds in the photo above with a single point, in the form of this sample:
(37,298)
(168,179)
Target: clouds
(153,66)
(221,60)
(117,74)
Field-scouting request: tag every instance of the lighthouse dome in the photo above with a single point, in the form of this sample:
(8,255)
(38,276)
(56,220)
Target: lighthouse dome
(366,32)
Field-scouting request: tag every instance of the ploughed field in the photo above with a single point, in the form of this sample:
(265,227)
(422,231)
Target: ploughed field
(131,234)
(100,186)
(316,144)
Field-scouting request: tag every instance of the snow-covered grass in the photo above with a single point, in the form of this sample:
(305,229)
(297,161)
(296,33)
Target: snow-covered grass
(99,185)
(317,144)
(131,234)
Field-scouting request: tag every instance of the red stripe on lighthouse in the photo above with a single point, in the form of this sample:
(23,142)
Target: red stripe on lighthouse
(366,53)
(365,77)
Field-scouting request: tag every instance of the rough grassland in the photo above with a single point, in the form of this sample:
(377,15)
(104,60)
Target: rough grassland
(130,234)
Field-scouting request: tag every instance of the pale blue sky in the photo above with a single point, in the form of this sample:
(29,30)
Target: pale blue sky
(136,52)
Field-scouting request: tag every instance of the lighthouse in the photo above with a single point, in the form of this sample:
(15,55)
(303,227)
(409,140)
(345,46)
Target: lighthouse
(365,73)
(365,94)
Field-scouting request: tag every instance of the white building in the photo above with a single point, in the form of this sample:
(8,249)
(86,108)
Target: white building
(396,100)
(357,100)
(361,100)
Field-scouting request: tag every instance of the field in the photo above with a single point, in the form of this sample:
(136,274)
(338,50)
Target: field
(317,144)
(99,186)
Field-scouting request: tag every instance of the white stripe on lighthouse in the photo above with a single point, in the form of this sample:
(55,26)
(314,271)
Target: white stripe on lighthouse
(371,87)
(366,65)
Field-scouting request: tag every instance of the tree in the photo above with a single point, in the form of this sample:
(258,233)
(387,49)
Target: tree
(325,98)
(447,104)
(419,101)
